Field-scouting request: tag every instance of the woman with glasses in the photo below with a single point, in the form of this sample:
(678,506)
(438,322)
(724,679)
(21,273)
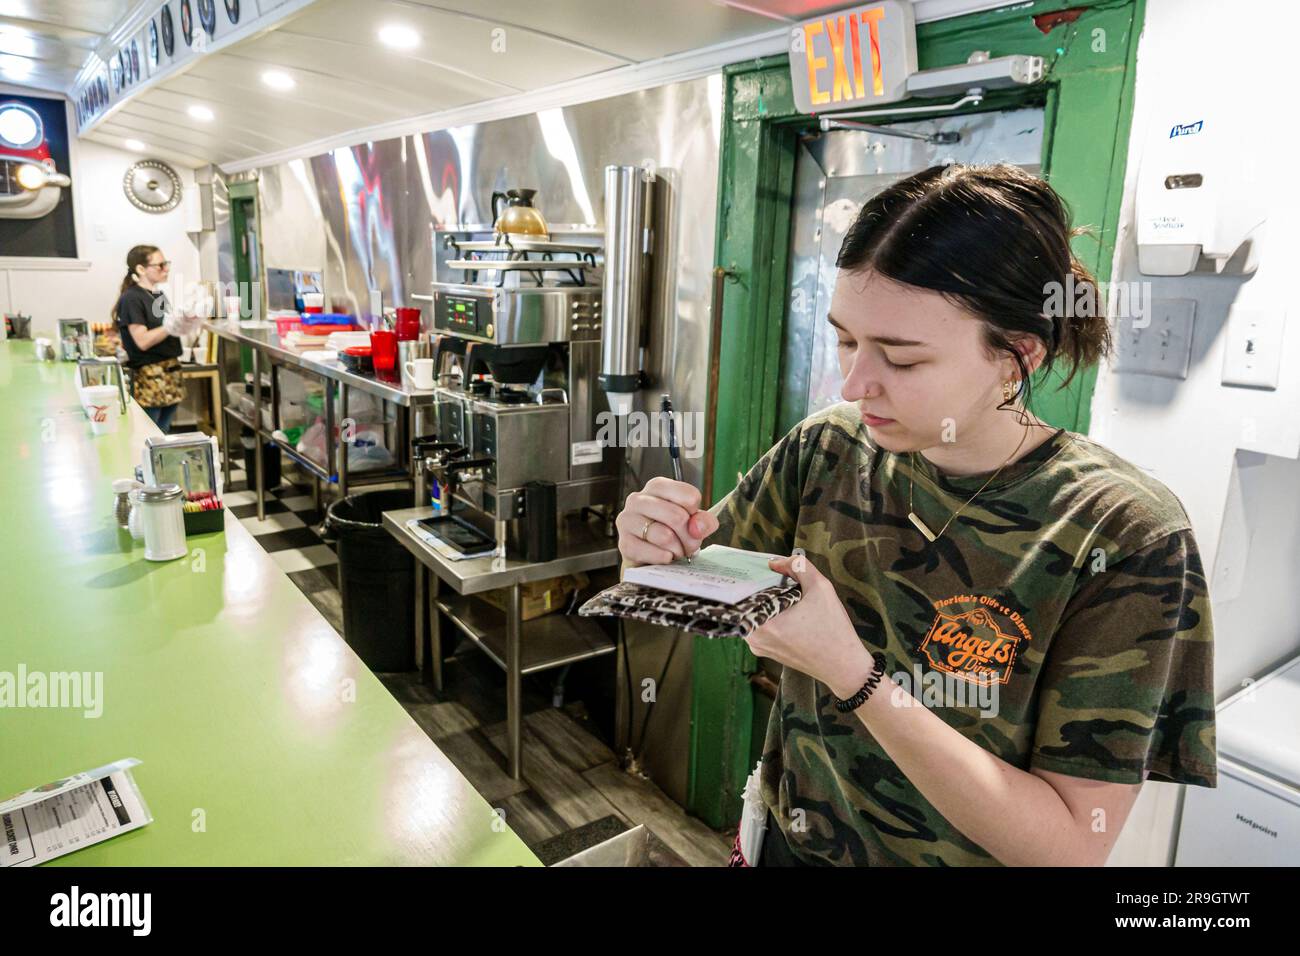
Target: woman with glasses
(151,334)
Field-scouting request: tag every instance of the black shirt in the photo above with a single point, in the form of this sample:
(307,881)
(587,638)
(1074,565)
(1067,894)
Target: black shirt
(139,306)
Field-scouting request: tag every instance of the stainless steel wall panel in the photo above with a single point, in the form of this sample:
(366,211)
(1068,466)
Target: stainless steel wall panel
(377,204)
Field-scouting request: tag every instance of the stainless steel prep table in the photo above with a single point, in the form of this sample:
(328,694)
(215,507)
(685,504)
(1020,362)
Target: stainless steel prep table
(518,647)
(264,341)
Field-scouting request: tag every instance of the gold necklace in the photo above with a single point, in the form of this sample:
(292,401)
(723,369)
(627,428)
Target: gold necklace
(924,528)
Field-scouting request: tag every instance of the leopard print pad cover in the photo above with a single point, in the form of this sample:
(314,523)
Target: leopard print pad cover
(709,618)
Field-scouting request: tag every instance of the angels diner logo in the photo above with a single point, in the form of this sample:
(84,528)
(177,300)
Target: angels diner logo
(975,638)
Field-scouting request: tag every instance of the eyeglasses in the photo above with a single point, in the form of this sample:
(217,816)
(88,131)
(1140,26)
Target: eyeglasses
(160,265)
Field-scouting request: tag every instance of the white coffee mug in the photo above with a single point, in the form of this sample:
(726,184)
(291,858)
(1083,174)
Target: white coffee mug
(420,372)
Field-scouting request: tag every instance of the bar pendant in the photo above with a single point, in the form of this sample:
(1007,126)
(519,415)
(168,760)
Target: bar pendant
(921,526)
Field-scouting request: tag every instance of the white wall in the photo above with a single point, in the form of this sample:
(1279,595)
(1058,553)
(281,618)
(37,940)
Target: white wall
(1187,433)
(107,227)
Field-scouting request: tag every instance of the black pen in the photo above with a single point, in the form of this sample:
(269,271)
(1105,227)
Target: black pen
(666,408)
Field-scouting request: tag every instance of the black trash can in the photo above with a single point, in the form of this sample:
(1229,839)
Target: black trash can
(376,580)
(270,462)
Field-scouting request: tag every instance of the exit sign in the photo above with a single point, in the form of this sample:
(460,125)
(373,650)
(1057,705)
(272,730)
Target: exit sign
(857,57)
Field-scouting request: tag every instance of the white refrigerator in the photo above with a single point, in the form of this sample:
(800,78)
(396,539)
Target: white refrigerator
(1252,818)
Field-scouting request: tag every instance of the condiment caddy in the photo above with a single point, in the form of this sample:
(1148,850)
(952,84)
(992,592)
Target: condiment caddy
(189,461)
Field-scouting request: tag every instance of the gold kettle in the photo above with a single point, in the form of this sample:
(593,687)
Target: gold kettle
(520,217)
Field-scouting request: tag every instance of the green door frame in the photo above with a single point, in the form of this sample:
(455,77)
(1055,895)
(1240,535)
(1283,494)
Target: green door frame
(1087,98)
(242,196)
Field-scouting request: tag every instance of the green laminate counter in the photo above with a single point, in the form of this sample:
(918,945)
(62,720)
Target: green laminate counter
(251,715)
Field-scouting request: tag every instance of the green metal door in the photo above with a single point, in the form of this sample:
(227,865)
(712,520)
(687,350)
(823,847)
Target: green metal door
(836,172)
(246,246)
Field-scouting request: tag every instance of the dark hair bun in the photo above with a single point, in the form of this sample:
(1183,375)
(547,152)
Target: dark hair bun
(1083,333)
(996,240)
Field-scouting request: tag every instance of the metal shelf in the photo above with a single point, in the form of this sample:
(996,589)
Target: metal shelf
(525,245)
(551,640)
(363,477)
(241,418)
(518,265)
(302,460)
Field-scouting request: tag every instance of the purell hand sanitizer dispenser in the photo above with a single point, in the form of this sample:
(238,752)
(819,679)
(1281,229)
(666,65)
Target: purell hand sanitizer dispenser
(1200,202)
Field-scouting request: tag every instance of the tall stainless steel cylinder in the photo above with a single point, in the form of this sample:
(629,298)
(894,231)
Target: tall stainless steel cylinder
(627,221)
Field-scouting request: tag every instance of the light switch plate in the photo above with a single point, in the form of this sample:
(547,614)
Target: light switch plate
(1158,343)
(1252,356)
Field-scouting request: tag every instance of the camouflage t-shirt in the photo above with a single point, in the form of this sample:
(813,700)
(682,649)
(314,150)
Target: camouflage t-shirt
(1061,622)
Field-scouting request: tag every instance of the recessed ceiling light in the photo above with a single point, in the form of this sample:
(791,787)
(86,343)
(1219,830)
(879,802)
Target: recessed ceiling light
(201,113)
(134,145)
(15,67)
(399,37)
(17,41)
(278,80)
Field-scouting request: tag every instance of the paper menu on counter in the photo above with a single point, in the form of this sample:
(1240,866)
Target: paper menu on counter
(78,811)
(716,573)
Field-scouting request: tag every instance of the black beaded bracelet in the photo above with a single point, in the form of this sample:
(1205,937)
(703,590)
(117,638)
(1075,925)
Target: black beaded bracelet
(860,698)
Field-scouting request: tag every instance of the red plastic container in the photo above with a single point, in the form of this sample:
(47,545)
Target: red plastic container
(408,325)
(286,324)
(383,349)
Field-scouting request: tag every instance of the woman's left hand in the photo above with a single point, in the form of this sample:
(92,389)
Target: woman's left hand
(815,636)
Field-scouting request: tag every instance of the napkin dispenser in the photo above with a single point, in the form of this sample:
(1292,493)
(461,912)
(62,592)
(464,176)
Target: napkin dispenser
(102,371)
(188,459)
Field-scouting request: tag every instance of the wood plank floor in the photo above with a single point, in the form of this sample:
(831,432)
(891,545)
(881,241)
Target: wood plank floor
(573,794)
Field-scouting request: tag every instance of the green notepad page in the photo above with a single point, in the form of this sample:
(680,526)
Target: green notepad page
(716,573)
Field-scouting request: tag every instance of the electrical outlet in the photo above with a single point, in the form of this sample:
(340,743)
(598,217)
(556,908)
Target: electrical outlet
(1159,343)
(101,232)
(1252,357)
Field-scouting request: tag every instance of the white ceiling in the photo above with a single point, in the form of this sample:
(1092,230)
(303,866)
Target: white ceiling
(469,51)
(43,43)
(347,80)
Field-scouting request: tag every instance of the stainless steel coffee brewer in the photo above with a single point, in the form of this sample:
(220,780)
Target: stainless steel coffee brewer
(520,417)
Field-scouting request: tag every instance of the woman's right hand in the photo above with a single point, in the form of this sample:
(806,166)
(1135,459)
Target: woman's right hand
(174,324)
(181,325)
(669,512)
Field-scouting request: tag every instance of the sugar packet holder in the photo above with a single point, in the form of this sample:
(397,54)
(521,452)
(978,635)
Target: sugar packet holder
(635,602)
